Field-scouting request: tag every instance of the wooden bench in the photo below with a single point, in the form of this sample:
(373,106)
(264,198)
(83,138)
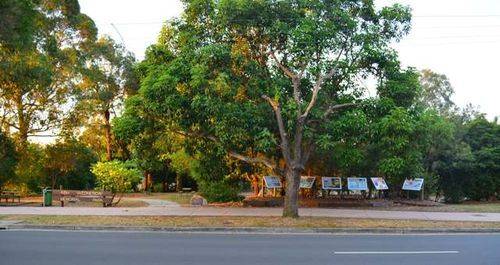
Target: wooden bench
(105,197)
(10,195)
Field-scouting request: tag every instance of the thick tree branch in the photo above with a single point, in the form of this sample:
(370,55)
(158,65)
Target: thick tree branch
(285,147)
(252,160)
(293,76)
(283,68)
(317,86)
(334,108)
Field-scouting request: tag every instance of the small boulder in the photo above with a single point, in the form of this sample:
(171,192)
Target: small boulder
(197,200)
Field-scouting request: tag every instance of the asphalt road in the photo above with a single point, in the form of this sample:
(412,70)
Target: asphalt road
(120,248)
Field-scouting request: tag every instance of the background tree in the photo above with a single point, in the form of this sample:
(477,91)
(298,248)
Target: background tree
(68,164)
(106,79)
(436,92)
(483,138)
(40,49)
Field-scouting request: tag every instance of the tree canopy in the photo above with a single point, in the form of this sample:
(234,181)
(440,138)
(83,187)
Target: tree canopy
(266,88)
(40,51)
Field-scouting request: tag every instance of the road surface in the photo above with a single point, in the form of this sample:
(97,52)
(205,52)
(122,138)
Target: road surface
(120,248)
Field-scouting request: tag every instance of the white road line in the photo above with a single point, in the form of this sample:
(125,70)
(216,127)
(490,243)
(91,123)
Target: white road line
(393,252)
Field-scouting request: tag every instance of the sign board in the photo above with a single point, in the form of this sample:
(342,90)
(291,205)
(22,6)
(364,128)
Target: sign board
(379,184)
(357,184)
(413,184)
(272,182)
(82,195)
(331,183)
(307,182)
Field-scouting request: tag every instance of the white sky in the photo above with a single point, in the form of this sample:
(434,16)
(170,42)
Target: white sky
(458,38)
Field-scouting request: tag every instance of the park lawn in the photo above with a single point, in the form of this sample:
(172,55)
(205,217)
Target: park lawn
(205,221)
(484,207)
(472,207)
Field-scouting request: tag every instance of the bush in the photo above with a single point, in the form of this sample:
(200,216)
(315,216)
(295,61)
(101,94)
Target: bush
(219,191)
(481,187)
(116,176)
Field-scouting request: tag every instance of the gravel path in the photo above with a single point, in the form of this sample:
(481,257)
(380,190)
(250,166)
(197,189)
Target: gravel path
(158,202)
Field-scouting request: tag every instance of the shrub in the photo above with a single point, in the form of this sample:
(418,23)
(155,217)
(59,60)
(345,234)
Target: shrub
(116,176)
(219,191)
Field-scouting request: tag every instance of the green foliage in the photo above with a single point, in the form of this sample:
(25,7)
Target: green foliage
(41,45)
(402,87)
(470,170)
(8,159)
(397,142)
(225,69)
(220,191)
(30,169)
(17,23)
(116,176)
(484,139)
(108,76)
(210,93)
(436,92)
(68,164)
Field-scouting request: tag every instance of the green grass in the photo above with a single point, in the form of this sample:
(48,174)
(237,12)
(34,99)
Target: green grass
(477,207)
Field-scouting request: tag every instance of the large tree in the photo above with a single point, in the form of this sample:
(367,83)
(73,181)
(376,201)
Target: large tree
(108,76)
(436,92)
(40,49)
(263,79)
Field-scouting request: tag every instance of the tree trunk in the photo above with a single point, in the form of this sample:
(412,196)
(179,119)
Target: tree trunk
(23,125)
(147,180)
(53,180)
(164,186)
(178,183)
(107,131)
(255,185)
(291,206)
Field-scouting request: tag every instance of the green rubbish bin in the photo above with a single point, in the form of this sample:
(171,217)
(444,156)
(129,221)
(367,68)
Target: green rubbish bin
(47,197)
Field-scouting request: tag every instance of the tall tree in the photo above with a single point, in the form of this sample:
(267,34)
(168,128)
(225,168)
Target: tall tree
(107,77)
(436,92)
(261,79)
(39,58)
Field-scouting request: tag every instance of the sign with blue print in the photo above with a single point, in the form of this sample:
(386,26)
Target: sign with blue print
(307,182)
(379,184)
(357,184)
(331,183)
(413,184)
(272,182)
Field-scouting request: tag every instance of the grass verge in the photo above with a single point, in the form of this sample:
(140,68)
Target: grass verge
(303,222)
(471,207)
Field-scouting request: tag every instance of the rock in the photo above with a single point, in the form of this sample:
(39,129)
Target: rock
(197,200)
